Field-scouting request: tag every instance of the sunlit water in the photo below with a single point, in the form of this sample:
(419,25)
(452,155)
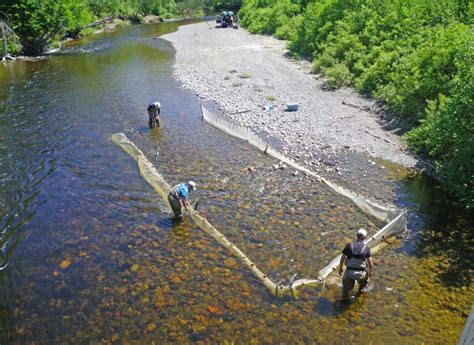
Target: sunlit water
(89,253)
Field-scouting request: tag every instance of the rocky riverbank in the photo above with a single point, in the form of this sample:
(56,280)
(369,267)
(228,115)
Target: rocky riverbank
(251,78)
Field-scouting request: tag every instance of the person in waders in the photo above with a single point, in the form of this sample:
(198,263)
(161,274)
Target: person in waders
(358,261)
(154,110)
(178,197)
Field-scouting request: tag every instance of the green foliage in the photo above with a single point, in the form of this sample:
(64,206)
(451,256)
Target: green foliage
(416,55)
(245,76)
(426,71)
(38,23)
(337,76)
(129,8)
(189,8)
(225,5)
(447,133)
(319,20)
(276,17)
(12,48)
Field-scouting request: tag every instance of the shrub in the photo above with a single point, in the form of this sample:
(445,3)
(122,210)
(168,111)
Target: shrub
(245,76)
(447,134)
(337,76)
(38,23)
(415,55)
(269,17)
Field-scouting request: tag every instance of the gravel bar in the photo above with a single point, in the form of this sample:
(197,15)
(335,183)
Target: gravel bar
(251,78)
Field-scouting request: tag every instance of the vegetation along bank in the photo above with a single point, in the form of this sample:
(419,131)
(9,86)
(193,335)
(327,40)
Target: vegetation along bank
(38,24)
(414,55)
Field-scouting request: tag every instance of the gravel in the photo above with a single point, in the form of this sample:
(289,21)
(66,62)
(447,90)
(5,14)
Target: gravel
(334,132)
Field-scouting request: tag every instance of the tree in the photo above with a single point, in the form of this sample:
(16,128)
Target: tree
(38,22)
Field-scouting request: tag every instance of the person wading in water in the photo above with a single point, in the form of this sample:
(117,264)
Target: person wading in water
(154,110)
(178,197)
(357,258)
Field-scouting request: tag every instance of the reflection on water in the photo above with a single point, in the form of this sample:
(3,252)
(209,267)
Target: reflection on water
(93,255)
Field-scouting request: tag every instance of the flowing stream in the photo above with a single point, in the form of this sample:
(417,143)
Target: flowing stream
(89,254)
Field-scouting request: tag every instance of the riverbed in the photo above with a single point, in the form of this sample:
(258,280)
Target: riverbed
(90,254)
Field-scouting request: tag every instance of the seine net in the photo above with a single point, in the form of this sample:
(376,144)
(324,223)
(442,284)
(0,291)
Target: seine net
(156,180)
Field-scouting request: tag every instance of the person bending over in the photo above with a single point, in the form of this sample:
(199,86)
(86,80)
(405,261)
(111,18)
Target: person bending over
(154,110)
(178,197)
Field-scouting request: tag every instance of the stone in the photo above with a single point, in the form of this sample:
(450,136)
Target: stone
(65,264)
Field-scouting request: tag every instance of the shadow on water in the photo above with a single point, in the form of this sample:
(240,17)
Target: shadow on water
(440,229)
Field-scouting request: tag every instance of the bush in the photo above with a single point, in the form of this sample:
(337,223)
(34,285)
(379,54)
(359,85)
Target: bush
(38,23)
(337,76)
(270,17)
(415,55)
(426,71)
(447,134)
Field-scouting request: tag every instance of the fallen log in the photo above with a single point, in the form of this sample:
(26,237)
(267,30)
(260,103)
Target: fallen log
(75,32)
(99,22)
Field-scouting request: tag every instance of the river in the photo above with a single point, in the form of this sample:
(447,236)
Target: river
(89,253)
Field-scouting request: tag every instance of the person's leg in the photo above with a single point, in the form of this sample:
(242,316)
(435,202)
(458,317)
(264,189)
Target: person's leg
(175,206)
(150,119)
(347,284)
(156,117)
(363,280)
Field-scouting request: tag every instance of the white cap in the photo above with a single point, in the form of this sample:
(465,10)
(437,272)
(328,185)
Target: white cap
(192,184)
(362,232)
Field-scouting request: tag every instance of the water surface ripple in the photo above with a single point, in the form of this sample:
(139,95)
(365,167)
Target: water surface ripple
(88,252)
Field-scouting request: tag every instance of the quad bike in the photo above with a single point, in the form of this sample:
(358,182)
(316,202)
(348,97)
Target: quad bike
(227,19)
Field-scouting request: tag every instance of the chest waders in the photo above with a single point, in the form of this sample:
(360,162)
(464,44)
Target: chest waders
(357,261)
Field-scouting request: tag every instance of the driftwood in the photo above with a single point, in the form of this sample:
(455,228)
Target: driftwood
(7,58)
(360,107)
(386,140)
(6,30)
(241,111)
(370,110)
(378,137)
(75,33)
(99,22)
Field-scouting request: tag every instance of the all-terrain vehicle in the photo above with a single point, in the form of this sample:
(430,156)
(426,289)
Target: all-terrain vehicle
(227,19)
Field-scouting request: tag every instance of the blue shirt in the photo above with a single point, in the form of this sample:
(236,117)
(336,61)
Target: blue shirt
(181,190)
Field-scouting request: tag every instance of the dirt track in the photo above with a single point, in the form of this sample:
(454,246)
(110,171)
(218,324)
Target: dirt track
(333,132)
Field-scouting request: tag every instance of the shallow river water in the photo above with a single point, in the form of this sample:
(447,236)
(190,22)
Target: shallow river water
(89,254)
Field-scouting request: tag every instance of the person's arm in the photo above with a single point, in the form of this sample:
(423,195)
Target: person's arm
(185,203)
(341,264)
(370,264)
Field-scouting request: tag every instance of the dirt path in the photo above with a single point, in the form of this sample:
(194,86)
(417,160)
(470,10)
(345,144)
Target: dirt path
(331,132)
